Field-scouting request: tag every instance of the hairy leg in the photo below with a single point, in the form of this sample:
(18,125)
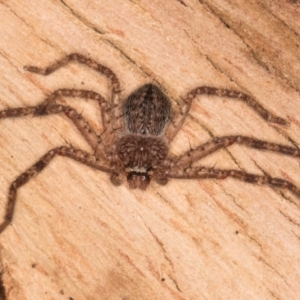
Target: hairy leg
(76,57)
(80,94)
(178,121)
(205,173)
(112,116)
(76,154)
(203,150)
(49,107)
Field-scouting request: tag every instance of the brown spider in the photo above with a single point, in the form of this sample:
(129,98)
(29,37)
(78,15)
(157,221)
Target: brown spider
(136,136)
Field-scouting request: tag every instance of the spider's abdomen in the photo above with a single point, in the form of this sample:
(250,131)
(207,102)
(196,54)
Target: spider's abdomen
(147,111)
(141,154)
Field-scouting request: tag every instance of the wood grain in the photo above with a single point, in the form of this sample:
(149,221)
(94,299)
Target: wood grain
(74,235)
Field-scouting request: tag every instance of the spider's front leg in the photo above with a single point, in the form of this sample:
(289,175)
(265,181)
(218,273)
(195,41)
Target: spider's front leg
(112,116)
(178,121)
(212,173)
(180,167)
(75,154)
(216,144)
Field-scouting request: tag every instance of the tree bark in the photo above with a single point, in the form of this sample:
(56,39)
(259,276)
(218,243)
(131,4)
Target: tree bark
(76,236)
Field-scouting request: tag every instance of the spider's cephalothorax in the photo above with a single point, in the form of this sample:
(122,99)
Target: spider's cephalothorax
(137,133)
(143,148)
(141,156)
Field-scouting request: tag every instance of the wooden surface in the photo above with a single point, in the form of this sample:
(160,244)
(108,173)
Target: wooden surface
(74,235)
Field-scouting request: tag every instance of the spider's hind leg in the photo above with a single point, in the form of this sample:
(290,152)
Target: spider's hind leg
(112,115)
(49,107)
(76,57)
(178,121)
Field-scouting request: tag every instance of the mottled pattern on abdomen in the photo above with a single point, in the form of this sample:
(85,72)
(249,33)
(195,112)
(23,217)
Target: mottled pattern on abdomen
(147,111)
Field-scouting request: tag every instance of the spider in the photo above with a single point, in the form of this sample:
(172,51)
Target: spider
(136,135)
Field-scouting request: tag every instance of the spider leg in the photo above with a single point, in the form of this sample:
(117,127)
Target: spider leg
(203,173)
(221,142)
(76,57)
(75,154)
(81,94)
(176,124)
(49,107)
(113,114)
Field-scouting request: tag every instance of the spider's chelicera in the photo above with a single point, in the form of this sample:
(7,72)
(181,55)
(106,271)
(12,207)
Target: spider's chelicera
(136,135)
